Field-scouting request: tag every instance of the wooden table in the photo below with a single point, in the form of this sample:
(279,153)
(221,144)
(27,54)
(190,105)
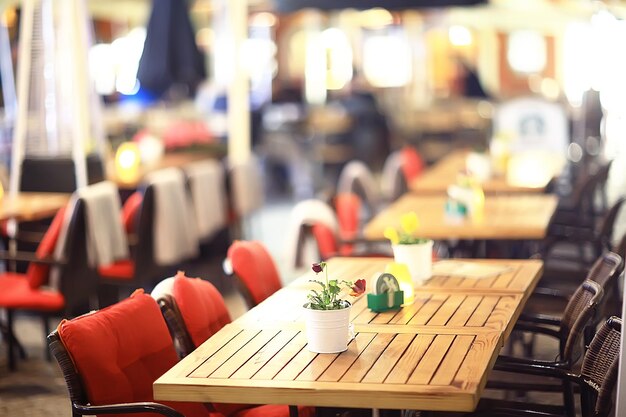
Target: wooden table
(506,217)
(435,180)
(432,355)
(31,206)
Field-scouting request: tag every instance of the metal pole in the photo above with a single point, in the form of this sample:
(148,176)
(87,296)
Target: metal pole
(23,90)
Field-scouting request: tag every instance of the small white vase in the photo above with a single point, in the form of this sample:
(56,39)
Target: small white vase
(418,258)
(327,331)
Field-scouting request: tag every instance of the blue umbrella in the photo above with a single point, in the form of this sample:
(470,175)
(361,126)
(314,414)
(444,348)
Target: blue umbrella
(170,54)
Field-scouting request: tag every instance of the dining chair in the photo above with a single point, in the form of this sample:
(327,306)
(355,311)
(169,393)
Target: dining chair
(568,330)
(255,270)
(206,183)
(552,296)
(194,310)
(596,381)
(311,219)
(357,178)
(392,182)
(314,220)
(246,192)
(137,218)
(556,249)
(57,281)
(412,163)
(580,207)
(142,268)
(110,358)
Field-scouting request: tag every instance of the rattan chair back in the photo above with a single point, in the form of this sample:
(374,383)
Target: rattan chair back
(600,368)
(579,313)
(605,269)
(73,380)
(605,232)
(174,319)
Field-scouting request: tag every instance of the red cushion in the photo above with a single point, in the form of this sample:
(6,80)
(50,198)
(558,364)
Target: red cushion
(272,410)
(326,240)
(120,270)
(202,307)
(130,210)
(412,163)
(121,350)
(348,207)
(15,292)
(38,273)
(256,268)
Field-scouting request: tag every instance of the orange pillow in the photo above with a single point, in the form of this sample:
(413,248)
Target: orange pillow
(38,273)
(256,268)
(201,306)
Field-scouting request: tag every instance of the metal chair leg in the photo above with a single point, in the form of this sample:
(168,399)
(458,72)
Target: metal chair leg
(293,411)
(46,331)
(10,342)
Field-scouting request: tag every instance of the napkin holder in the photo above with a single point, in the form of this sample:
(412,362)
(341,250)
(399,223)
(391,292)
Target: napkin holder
(388,295)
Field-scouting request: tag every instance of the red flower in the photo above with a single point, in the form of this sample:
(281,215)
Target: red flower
(358,288)
(318,267)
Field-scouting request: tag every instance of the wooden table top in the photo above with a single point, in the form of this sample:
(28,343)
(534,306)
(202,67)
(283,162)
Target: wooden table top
(32,206)
(434,354)
(515,216)
(436,179)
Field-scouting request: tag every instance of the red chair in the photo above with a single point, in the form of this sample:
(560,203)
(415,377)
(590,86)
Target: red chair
(31,291)
(412,163)
(194,311)
(348,209)
(255,270)
(110,359)
(141,270)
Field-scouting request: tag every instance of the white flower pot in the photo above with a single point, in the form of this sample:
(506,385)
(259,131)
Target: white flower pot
(328,331)
(418,258)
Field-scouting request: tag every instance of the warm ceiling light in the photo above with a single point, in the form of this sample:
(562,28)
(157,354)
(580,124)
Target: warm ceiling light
(460,35)
(8,17)
(375,18)
(263,19)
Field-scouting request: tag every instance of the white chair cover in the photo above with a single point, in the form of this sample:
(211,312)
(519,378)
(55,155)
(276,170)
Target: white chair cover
(357,173)
(174,230)
(307,212)
(247,186)
(392,179)
(206,182)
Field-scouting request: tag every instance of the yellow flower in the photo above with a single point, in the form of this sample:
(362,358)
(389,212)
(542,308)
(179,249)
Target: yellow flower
(392,235)
(409,222)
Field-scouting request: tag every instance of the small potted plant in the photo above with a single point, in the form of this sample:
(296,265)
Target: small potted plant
(415,252)
(327,314)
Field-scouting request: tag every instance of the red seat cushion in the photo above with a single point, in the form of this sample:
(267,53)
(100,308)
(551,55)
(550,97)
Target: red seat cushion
(201,306)
(326,240)
(38,273)
(272,410)
(256,269)
(121,350)
(412,163)
(348,208)
(130,210)
(16,293)
(120,270)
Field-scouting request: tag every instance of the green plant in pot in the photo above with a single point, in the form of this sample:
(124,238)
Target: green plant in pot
(409,249)
(327,314)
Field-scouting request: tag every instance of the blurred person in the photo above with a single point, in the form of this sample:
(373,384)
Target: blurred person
(467,82)
(370,135)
